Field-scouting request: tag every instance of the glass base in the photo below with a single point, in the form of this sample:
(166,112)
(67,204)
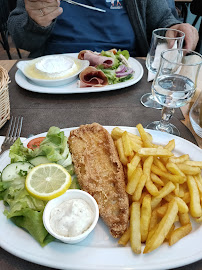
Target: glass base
(169,128)
(148,101)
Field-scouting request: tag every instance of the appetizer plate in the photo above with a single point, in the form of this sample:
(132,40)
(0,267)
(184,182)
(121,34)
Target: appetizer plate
(72,88)
(99,250)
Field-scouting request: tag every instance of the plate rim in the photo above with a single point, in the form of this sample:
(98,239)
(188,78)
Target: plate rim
(126,250)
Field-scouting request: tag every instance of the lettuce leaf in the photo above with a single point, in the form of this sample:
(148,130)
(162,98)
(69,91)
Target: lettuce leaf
(32,221)
(24,210)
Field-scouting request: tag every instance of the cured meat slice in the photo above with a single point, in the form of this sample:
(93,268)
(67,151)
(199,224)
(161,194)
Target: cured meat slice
(96,59)
(90,76)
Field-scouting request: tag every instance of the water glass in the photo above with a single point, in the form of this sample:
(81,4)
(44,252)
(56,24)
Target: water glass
(162,39)
(195,115)
(175,84)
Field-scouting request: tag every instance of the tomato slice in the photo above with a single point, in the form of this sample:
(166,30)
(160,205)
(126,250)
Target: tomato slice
(35,143)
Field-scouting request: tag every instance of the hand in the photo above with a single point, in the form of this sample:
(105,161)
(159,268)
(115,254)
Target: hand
(43,12)
(191,35)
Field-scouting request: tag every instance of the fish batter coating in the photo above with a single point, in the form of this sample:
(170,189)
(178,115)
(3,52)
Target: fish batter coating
(101,174)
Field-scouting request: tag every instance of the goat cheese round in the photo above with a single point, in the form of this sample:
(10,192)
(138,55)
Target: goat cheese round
(55,66)
(71,218)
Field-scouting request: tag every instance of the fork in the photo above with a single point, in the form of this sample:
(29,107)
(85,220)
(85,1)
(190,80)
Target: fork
(13,132)
(85,6)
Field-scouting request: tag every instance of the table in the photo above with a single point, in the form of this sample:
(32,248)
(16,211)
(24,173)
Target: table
(40,111)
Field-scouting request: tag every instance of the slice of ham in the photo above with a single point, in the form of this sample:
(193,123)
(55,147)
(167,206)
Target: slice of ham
(90,76)
(96,59)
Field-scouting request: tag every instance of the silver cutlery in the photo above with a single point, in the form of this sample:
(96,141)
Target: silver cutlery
(85,6)
(13,132)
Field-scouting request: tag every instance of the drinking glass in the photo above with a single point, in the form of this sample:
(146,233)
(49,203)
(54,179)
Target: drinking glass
(162,39)
(174,84)
(195,115)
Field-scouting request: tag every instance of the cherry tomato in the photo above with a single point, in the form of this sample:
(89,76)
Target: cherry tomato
(35,143)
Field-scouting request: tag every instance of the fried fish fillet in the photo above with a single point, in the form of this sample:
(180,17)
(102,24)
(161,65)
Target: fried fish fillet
(100,173)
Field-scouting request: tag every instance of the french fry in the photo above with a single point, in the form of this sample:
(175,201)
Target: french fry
(116,133)
(158,152)
(144,136)
(182,206)
(159,164)
(195,206)
(168,188)
(135,146)
(124,238)
(173,168)
(120,150)
(135,234)
(171,177)
(198,182)
(186,197)
(162,210)
(137,194)
(194,163)
(169,197)
(184,218)
(151,232)
(128,151)
(153,220)
(145,217)
(180,159)
(133,181)
(177,188)
(170,145)
(170,232)
(181,191)
(152,189)
(133,164)
(144,193)
(189,170)
(157,180)
(163,228)
(179,233)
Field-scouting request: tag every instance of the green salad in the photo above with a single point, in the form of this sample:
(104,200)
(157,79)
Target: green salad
(23,209)
(120,71)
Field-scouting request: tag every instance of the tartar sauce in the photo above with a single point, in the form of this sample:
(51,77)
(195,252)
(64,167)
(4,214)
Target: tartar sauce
(71,218)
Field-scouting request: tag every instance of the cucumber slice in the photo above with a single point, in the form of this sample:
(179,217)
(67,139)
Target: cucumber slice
(16,170)
(39,160)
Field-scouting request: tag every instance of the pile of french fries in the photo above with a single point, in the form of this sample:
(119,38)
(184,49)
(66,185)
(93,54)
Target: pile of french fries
(164,190)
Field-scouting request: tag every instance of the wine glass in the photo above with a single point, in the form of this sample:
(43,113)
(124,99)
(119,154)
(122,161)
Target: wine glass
(174,84)
(162,39)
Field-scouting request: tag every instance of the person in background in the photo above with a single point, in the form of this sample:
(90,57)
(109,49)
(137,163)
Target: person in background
(196,8)
(50,27)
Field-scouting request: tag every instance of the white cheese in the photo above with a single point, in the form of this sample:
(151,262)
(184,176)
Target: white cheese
(56,66)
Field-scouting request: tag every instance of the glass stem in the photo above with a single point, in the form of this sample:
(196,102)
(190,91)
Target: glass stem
(166,115)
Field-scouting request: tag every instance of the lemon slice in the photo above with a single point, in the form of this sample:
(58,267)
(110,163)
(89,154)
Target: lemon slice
(47,181)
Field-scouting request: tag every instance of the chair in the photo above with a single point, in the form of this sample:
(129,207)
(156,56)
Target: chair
(4,14)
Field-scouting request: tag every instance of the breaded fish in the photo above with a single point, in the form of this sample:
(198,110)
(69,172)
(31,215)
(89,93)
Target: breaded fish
(100,173)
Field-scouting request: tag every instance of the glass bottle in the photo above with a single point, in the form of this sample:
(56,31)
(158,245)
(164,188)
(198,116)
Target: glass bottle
(195,115)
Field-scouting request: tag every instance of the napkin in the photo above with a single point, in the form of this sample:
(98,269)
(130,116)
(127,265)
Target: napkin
(159,49)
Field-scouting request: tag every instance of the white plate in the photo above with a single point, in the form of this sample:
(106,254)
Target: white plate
(72,88)
(99,250)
